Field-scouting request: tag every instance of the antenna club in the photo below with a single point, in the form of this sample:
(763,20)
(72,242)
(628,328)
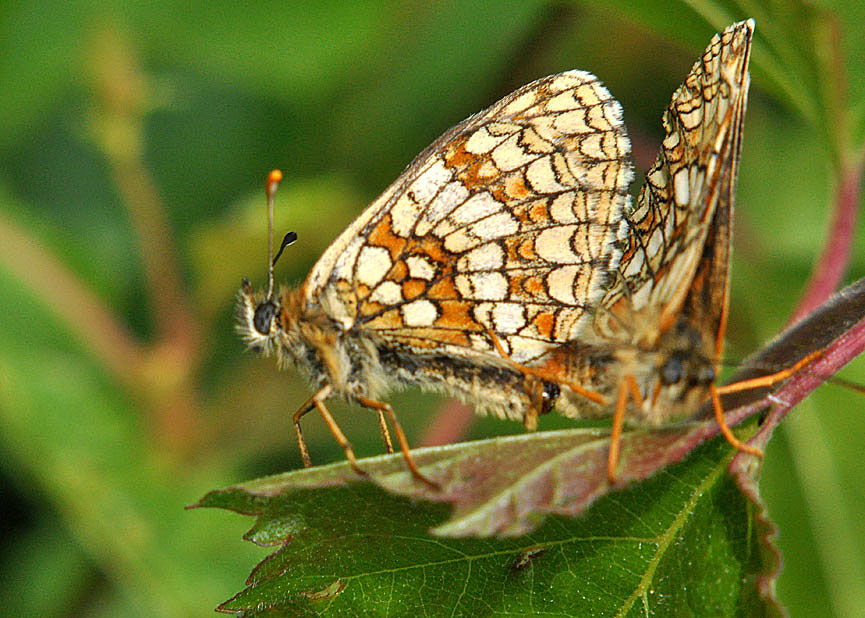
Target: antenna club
(273,180)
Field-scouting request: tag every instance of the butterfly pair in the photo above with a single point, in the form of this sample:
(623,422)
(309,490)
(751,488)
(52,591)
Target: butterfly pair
(508,265)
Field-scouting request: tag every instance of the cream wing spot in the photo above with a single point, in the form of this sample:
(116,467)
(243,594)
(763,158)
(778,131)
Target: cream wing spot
(692,119)
(403,215)
(669,224)
(670,141)
(510,155)
(460,241)
(502,128)
(420,268)
(489,256)
(656,242)
(482,142)
(572,123)
(723,104)
(597,119)
(480,341)
(419,313)
(657,178)
(476,207)
(489,228)
(444,228)
(634,267)
(488,285)
(697,181)
(554,245)
(497,226)
(387,293)
(561,284)
(681,187)
(464,286)
(592,146)
(430,181)
(588,96)
(451,196)
(482,313)
(563,102)
(562,208)
(533,142)
(508,318)
(372,265)
(488,170)
(542,177)
(595,176)
(525,349)
(521,103)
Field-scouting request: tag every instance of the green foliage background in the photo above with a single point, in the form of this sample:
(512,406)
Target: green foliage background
(134,140)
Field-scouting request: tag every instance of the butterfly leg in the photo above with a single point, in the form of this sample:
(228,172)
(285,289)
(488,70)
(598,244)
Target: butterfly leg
(317,402)
(744,385)
(534,387)
(307,406)
(772,379)
(627,387)
(386,408)
(718,408)
(385,433)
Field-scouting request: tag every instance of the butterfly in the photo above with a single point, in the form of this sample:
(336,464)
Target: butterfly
(508,265)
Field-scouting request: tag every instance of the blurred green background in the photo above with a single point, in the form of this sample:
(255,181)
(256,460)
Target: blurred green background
(134,141)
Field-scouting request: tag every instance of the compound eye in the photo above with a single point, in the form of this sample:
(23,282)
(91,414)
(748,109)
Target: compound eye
(264,314)
(672,371)
(549,396)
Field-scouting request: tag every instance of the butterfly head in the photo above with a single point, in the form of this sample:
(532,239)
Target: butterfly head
(257,318)
(683,371)
(259,315)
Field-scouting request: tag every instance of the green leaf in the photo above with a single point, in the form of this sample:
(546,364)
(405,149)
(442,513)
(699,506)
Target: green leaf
(679,544)
(37,53)
(689,539)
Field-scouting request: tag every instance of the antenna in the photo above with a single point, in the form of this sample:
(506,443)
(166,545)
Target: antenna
(265,311)
(286,240)
(270,186)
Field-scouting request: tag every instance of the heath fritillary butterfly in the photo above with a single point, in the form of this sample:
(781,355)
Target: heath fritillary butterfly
(509,267)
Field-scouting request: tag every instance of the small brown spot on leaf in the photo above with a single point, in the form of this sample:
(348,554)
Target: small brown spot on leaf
(524,559)
(324,594)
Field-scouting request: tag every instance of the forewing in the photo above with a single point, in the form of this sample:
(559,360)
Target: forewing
(506,223)
(677,248)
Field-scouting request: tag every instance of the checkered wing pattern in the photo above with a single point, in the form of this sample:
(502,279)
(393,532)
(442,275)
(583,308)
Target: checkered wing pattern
(508,222)
(678,243)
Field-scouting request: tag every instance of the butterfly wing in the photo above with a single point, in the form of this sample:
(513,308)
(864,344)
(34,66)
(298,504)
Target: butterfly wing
(676,255)
(507,222)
